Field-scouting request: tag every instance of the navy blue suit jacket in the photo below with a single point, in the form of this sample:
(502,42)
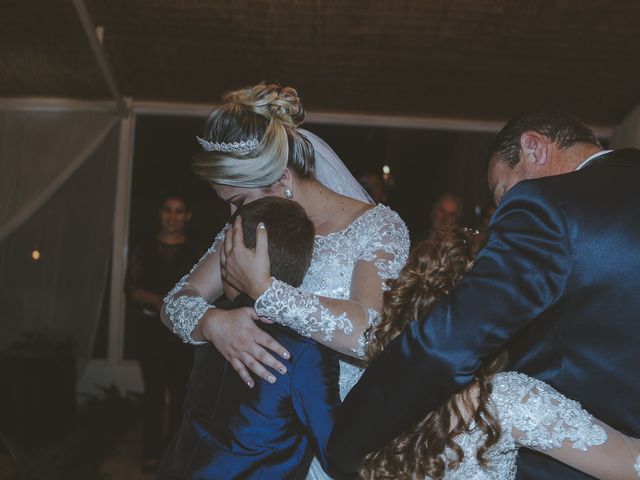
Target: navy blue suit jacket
(558,283)
(230,431)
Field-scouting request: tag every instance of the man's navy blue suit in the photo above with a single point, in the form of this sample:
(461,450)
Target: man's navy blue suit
(230,431)
(558,283)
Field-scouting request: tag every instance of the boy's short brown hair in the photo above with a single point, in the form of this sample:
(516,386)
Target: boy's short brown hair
(291,235)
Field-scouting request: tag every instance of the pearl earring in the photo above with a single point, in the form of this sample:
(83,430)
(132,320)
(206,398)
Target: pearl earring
(288,194)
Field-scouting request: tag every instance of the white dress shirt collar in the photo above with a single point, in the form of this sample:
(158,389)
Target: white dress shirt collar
(595,155)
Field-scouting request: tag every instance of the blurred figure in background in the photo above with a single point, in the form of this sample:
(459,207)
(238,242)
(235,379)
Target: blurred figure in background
(155,265)
(374,184)
(446,213)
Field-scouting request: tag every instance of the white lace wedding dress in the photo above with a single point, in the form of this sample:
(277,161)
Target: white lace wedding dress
(372,249)
(378,237)
(532,414)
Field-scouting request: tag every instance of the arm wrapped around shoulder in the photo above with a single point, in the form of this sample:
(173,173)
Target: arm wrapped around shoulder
(185,312)
(521,272)
(184,306)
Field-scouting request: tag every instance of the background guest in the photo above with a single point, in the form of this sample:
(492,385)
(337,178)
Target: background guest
(374,184)
(446,213)
(155,265)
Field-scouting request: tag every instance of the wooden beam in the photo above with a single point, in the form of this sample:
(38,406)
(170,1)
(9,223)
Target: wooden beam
(103,63)
(352,119)
(122,210)
(55,104)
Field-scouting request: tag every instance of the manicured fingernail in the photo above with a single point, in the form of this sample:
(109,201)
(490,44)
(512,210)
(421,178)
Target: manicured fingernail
(271,379)
(261,226)
(250,384)
(285,354)
(282,370)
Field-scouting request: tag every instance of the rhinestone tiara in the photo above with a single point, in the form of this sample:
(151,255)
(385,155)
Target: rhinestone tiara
(243,146)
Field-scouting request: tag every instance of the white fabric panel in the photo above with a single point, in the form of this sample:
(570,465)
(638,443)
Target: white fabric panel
(39,151)
(57,195)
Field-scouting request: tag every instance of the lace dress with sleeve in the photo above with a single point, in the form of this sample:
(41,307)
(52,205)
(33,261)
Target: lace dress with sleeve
(378,239)
(372,249)
(376,244)
(534,415)
(184,309)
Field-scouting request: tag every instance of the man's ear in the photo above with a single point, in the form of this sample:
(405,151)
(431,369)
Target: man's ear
(189,215)
(535,148)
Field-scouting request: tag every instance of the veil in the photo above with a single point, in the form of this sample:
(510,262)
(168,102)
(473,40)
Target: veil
(332,173)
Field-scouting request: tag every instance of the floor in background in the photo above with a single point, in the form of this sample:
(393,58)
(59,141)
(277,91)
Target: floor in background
(124,463)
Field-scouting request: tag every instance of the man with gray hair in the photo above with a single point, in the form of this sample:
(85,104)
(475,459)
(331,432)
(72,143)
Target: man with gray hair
(556,284)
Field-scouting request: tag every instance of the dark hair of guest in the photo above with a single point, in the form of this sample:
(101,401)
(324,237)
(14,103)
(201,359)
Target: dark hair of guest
(291,235)
(175,195)
(560,127)
(434,268)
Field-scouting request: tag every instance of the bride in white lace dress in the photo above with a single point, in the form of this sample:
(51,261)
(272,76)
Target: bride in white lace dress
(476,434)
(256,149)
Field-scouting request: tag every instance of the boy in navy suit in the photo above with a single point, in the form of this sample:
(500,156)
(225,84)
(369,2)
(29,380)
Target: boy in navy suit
(273,430)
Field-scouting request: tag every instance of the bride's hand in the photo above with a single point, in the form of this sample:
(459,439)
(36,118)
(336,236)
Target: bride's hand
(246,270)
(236,336)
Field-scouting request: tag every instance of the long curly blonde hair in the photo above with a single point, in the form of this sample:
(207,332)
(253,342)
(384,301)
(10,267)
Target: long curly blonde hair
(434,268)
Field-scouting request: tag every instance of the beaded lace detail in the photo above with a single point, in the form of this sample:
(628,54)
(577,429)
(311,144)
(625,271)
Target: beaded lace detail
(185,311)
(531,414)
(373,316)
(378,236)
(300,311)
(545,417)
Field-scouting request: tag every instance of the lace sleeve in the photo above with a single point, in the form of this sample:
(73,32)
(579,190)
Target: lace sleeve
(183,306)
(382,248)
(543,419)
(387,246)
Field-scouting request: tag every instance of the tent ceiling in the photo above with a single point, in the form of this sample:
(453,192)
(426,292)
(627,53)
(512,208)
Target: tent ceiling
(474,59)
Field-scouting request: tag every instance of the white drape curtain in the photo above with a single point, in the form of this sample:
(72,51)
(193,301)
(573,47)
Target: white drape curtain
(39,151)
(57,194)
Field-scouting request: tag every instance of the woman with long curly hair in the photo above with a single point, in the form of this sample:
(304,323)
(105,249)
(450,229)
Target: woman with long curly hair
(476,433)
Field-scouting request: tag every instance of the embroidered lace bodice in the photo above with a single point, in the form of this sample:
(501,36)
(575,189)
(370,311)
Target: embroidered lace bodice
(532,414)
(374,246)
(378,237)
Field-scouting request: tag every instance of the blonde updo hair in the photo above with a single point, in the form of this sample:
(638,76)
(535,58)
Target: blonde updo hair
(266,112)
